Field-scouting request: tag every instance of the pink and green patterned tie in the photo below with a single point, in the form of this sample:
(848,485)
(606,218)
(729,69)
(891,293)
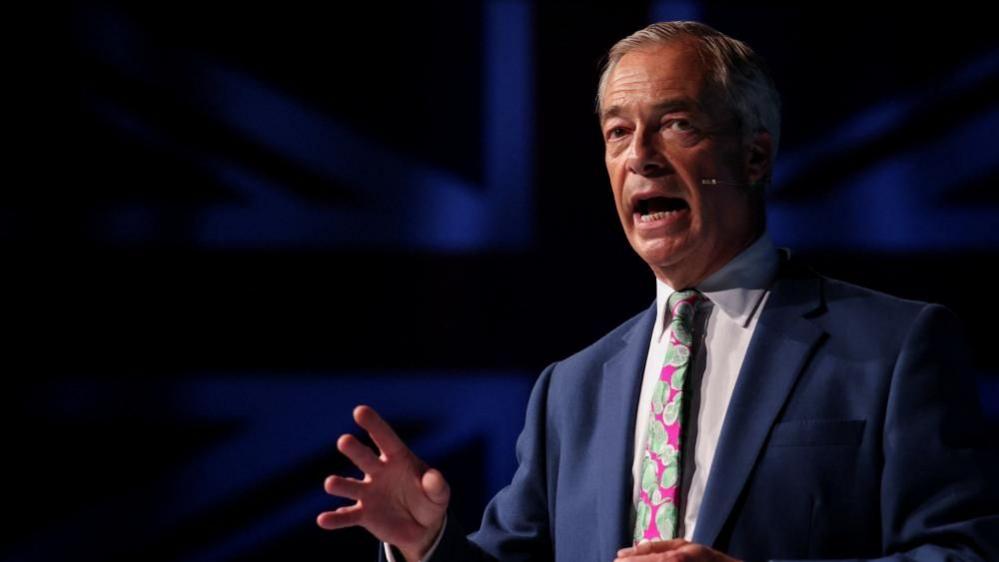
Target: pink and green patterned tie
(656,512)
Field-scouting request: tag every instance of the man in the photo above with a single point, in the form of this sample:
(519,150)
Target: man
(756,410)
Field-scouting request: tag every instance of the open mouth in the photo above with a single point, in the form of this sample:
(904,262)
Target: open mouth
(659,208)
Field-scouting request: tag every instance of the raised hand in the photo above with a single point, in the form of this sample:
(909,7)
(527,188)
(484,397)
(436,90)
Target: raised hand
(400,500)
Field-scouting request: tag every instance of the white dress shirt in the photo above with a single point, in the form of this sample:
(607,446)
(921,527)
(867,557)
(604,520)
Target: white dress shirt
(735,294)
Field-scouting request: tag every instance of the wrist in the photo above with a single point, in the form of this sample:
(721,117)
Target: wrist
(410,556)
(413,555)
(417,554)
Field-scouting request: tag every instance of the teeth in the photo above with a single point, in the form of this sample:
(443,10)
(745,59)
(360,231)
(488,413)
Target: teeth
(656,216)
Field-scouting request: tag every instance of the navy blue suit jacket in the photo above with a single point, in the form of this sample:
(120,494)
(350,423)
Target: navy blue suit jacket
(854,431)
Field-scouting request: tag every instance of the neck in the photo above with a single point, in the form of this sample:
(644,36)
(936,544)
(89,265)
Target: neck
(680,277)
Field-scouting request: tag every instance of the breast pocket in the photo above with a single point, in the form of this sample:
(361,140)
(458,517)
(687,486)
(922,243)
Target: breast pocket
(811,433)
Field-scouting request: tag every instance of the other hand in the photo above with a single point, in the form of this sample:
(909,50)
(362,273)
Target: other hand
(675,550)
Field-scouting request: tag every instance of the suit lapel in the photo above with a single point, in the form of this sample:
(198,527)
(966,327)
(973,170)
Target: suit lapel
(620,387)
(780,347)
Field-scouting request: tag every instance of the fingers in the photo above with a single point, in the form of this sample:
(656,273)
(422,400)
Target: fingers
(431,503)
(649,547)
(678,550)
(382,434)
(344,487)
(358,453)
(344,517)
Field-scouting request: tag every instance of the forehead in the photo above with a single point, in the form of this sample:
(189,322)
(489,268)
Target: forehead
(656,76)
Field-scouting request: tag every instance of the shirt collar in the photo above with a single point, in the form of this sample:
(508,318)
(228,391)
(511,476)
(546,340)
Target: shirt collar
(737,288)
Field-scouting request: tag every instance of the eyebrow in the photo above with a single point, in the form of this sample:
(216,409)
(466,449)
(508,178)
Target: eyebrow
(661,107)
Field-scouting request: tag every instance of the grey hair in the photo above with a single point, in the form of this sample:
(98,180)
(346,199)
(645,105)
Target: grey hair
(734,70)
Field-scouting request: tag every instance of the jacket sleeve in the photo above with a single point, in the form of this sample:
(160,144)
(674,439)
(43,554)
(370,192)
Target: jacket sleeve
(939,489)
(515,526)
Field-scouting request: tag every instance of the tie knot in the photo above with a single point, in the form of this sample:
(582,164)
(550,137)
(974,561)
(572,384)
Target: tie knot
(682,305)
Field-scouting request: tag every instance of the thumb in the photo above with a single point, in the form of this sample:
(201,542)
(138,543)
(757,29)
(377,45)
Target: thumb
(434,494)
(436,487)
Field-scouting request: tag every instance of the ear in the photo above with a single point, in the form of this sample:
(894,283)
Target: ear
(759,157)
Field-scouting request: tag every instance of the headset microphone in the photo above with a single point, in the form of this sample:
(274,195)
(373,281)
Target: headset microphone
(715,181)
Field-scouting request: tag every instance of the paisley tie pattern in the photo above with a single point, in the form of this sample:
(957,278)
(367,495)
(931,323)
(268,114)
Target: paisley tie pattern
(656,512)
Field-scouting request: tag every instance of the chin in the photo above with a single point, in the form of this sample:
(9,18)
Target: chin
(661,252)
(661,260)
(671,261)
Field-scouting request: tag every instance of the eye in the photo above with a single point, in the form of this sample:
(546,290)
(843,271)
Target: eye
(616,132)
(681,125)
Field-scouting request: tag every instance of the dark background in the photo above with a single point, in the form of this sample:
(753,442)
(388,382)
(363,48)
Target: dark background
(224,226)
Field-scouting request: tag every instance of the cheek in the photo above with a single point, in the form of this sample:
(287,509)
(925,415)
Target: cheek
(704,218)
(617,188)
(717,212)
(609,161)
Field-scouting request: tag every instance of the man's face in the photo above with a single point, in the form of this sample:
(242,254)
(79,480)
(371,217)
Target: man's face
(663,133)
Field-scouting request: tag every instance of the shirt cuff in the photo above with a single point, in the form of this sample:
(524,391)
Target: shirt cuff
(390,556)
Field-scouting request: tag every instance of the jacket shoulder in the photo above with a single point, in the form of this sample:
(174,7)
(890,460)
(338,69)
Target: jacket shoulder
(870,319)
(846,299)
(587,363)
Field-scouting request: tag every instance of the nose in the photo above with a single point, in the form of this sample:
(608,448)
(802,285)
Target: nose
(646,155)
